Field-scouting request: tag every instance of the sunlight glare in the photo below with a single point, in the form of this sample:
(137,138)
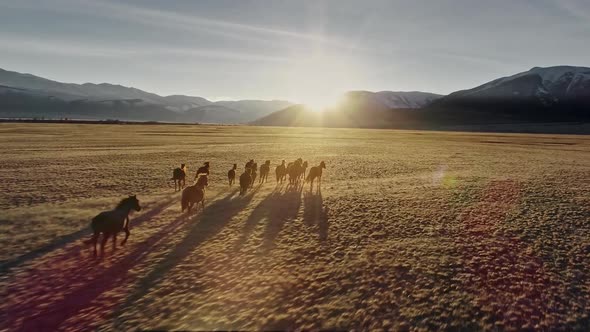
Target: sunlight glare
(319,81)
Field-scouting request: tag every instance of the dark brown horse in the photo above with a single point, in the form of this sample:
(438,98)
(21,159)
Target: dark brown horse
(203,170)
(315,173)
(245,180)
(194,194)
(111,222)
(179,177)
(231,175)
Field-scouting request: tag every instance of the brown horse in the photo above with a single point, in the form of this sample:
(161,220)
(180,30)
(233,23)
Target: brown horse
(253,173)
(194,194)
(281,172)
(294,171)
(303,169)
(111,222)
(179,177)
(315,172)
(264,170)
(231,175)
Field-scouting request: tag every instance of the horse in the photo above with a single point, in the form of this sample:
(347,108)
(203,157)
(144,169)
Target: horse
(111,222)
(245,181)
(303,169)
(281,172)
(231,175)
(264,170)
(294,172)
(179,177)
(194,194)
(315,172)
(203,170)
(249,164)
(253,174)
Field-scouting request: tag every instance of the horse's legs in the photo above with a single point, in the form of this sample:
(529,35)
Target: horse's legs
(105,238)
(127,233)
(203,203)
(114,241)
(95,241)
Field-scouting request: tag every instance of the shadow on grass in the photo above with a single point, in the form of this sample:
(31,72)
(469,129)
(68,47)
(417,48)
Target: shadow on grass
(200,228)
(41,313)
(59,242)
(315,213)
(278,207)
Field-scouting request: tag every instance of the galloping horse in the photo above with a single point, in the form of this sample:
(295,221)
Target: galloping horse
(179,177)
(112,222)
(194,194)
(203,170)
(315,172)
(264,170)
(281,172)
(231,175)
(294,171)
(253,174)
(245,180)
(303,169)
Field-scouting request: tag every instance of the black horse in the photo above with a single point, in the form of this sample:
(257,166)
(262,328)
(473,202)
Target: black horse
(109,223)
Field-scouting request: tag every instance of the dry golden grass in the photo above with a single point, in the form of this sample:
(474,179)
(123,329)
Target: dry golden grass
(421,230)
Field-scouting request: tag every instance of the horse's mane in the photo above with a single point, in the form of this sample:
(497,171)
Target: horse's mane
(123,202)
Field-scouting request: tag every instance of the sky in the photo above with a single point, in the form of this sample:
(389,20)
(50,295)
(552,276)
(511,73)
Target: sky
(302,51)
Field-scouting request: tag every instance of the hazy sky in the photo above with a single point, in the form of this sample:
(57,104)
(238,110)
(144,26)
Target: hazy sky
(297,50)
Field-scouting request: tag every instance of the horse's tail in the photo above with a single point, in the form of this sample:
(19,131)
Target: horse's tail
(308,178)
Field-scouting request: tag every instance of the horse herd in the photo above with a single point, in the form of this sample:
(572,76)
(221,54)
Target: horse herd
(112,222)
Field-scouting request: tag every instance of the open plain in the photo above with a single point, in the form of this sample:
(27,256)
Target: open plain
(410,230)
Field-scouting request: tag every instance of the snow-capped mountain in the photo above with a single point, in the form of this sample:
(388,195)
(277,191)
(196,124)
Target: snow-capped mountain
(548,85)
(395,99)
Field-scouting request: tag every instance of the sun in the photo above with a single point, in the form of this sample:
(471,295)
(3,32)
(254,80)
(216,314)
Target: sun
(322,103)
(319,81)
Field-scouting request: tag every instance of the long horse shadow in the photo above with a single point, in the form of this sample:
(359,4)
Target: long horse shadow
(276,208)
(258,213)
(50,317)
(284,209)
(315,213)
(202,227)
(64,240)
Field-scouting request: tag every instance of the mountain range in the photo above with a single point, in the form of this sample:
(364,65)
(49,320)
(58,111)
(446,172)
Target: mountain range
(552,94)
(26,95)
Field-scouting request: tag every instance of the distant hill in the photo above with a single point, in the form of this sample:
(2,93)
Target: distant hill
(541,95)
(26,95)
(359,109)
(395,99)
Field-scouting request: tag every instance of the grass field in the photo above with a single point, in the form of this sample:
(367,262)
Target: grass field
(410,230)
